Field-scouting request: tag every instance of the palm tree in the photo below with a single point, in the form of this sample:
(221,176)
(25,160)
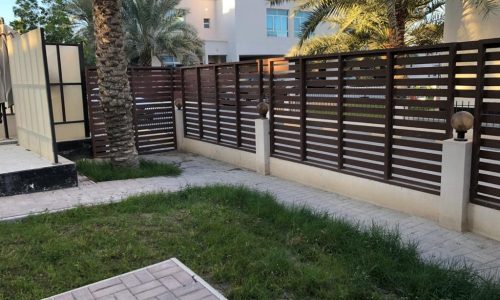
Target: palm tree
(157,27)
(152,27)
(114,89)
(397,18)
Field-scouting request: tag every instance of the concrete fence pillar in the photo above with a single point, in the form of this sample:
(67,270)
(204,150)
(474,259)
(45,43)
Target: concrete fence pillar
(262,146)
(455,184)
(179,128)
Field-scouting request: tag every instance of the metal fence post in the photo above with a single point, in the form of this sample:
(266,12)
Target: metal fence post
(389,116)
(303,107)
(340,112)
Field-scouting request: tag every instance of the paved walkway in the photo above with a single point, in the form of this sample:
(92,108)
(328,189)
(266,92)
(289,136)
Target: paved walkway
(168,280)
(434,241)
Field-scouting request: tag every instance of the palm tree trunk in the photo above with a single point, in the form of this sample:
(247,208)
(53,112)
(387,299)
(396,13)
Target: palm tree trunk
(398,13)
(114,89)
(145,58)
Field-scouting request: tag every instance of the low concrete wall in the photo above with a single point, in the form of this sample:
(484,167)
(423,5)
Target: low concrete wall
(406,200)
(236,157)
(483,220)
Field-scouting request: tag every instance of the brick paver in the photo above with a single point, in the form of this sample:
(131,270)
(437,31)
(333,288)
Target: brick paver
(146,283)
(435,242)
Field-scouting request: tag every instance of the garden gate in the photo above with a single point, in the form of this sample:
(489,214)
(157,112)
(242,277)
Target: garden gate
(153,94)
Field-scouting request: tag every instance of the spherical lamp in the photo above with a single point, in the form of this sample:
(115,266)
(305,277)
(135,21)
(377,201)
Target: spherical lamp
(178,103)
(462,121)
(262,109)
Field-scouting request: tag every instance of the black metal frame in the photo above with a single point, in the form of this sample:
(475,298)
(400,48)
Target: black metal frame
(49,97)
(82,84)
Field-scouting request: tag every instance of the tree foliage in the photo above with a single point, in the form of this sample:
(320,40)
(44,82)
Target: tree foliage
(373,24)
(152,27)
(155,27)
(49,14)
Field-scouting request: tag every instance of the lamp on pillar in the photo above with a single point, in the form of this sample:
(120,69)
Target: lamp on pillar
(462,121)
(178,103)
(262,109)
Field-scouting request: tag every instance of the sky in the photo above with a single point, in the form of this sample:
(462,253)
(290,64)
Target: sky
(6,10)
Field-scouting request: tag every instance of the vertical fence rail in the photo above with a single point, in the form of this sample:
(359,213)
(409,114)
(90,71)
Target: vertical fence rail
(183,98)
(238,104)
(389,113)
(200,103)
(450,98)
(340,113)
(271,105)
(303,107)
(476,139)
(217,102)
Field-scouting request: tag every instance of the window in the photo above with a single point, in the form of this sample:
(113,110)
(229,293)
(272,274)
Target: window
(299,20)
(216,59)
(277,22)
(169,61)
(206,23)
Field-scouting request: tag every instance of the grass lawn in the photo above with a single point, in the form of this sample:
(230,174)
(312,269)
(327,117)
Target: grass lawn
(103,171)
(240,241)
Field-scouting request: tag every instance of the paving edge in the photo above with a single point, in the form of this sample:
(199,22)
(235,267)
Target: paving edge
(175,260)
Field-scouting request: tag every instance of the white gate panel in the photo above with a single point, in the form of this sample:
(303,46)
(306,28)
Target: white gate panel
(35,129)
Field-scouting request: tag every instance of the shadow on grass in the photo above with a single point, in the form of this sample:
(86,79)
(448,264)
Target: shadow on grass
(104,171)
(242,242)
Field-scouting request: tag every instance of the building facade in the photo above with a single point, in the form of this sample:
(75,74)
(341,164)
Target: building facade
(235,30)
(467,24)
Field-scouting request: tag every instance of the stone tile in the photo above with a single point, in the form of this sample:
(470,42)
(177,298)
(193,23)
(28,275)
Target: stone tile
(166,296)
(183,277)
(162,266)
(109,290)
(151,293)
(82,294)
(196,295)
(65,296)
(130,280)
(170,282)
(144,276)
(124,295)
(188,289)
(145,286)
(167,272)
(104,284)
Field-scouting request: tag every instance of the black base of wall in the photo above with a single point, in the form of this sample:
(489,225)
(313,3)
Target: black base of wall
(38,180)
(75,150)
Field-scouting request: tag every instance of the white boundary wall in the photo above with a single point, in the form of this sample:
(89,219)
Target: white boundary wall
(35,131)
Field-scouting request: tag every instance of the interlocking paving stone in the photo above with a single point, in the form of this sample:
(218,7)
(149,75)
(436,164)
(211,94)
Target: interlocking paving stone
(166,288)
(200,171)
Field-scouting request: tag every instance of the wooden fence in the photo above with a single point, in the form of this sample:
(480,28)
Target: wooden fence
(485,185)
(220,101)
(377,114)
(154,124)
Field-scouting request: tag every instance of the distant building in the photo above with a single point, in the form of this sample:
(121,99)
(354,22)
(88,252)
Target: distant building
(235,30)
(466,24)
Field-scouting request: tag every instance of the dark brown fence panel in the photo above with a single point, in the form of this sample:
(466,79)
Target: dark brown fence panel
(154,124)
(100,142)
(486,155)
(422,107)
(152,90)
(220,103)
(285,109)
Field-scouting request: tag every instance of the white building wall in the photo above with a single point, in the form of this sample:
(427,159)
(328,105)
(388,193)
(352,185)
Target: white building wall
(467,24)
(238,28)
